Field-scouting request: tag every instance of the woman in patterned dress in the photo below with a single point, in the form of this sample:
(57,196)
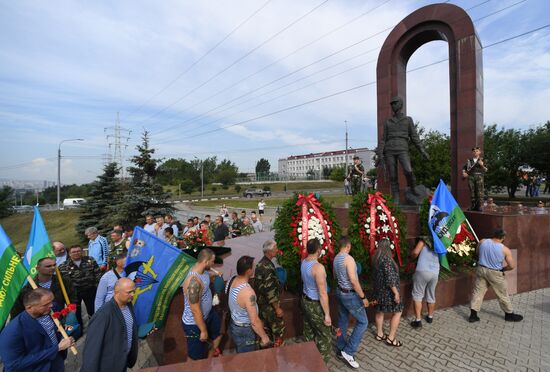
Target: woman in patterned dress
(386,292)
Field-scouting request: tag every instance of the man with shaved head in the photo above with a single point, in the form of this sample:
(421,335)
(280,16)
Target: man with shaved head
(201,324)
(111,343)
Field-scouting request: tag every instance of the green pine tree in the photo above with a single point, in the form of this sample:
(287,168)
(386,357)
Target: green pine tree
(144,194)
(104,197)
(6,201)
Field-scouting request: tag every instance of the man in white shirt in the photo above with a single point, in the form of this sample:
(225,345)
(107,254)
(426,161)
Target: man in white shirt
(261,208)
(149,224)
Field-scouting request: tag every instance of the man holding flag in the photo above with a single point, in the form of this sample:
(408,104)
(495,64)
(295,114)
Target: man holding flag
(30,341)
(46,278)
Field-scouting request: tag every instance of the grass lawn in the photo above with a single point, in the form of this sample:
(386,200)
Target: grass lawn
(335,200)
(59,224)
(274,187)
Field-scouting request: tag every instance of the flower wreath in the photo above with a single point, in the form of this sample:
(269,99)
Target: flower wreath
(301,218)
(374,216)
(196,239)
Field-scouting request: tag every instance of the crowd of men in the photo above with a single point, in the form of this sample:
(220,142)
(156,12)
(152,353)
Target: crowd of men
(223,227)
(250,313)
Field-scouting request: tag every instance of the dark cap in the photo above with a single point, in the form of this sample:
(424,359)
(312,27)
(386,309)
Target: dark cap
(355,157)
(396,99)
(475,148)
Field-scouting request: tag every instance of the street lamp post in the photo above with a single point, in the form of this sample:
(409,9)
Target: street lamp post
(346,150)
(59,170)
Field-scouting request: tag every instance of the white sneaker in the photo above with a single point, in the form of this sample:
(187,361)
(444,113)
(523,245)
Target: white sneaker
(349,359)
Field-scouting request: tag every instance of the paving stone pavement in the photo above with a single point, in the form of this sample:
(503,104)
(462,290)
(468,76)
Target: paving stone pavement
(450,343)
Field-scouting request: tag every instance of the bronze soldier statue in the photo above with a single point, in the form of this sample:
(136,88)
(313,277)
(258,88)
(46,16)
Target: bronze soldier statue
(355,175)
(394,147)
(474,170)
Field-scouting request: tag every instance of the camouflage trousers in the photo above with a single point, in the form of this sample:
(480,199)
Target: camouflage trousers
(475,183)
(273,325)
(355,185)
(315,328)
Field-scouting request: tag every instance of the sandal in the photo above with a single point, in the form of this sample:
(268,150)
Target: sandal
(381,338)
(394,342)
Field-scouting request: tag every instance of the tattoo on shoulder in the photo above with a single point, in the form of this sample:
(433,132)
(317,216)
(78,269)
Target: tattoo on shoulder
(194,290)
(253,299)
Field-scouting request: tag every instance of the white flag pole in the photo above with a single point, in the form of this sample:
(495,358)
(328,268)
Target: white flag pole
(472,230)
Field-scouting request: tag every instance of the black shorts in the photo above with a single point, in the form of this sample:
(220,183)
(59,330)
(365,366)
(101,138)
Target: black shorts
(261,211)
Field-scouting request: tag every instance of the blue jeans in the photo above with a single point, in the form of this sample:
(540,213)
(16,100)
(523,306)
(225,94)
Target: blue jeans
(244,338)
(350,303)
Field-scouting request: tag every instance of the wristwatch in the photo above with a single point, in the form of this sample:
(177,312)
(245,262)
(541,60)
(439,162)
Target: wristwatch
(364,297)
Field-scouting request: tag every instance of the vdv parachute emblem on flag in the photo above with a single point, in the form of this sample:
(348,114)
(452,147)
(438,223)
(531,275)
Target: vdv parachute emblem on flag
(444,219)
(158,270)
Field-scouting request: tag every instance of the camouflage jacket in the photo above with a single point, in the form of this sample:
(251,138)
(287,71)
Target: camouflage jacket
(266,282)
(115,250)
(247,230)
(58,298)
(84,277)
(356,170)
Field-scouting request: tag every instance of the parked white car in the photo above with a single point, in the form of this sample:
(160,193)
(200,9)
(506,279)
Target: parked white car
(73,202)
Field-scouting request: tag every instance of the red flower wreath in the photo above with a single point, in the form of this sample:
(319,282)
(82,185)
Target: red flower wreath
(376,222)
(311,221)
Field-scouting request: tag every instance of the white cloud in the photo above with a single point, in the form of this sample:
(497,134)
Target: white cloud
(67,69)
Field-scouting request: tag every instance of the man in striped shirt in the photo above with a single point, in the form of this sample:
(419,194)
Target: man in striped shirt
(201,324)
(30,341)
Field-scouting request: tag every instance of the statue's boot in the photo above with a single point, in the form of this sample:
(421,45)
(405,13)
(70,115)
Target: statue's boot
(411,181)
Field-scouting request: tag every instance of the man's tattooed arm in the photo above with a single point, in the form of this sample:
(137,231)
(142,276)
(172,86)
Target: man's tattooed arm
(194,290)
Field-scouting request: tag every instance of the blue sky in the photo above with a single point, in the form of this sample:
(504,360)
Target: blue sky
(68,67)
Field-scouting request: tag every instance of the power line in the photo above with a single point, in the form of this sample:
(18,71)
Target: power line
(22,165)
(200,58)
(282,95)
(298,70)
(267,148)
(238,60)
(351,89)
(354,19)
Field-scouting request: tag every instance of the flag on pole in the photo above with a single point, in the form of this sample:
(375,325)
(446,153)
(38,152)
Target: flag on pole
(12,276)
(158,269)
(444,220)
(39,245)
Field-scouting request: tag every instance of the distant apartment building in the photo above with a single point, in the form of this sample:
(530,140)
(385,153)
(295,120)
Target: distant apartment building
(300,166)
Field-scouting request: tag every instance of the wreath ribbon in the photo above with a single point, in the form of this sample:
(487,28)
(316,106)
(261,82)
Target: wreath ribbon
(373,200)
(306,202)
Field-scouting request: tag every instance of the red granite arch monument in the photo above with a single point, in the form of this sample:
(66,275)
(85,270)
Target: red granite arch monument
(452,24)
